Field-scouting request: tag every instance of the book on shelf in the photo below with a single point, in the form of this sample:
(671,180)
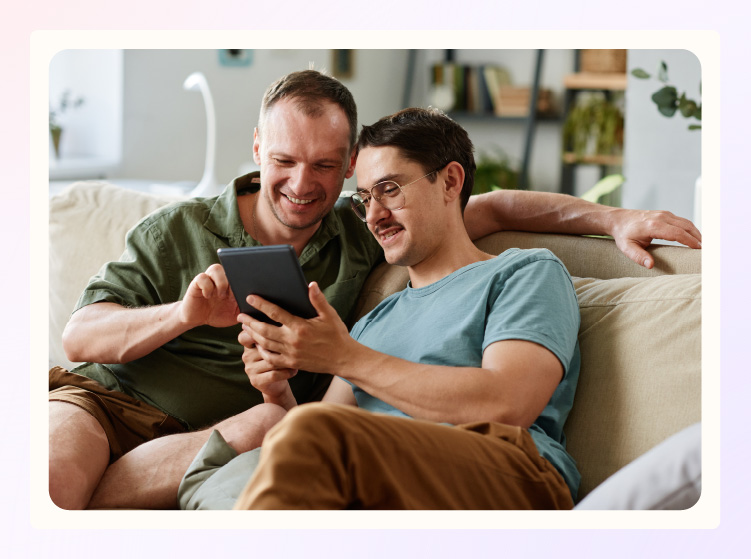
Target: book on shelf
(484,89)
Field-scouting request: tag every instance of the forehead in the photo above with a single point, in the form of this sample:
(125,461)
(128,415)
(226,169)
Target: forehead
(375,164)
(287,127)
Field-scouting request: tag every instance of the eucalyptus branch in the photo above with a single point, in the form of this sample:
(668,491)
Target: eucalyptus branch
(667,99)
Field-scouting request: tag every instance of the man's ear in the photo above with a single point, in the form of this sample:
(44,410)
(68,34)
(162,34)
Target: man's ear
(454,180)
(256,146)
(352,161)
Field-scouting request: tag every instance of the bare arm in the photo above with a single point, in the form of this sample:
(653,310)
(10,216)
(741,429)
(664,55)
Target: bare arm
(110,333)
(546,212)
(340,392)
(515,382)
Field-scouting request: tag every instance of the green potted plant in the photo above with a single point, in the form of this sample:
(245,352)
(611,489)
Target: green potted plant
(593,126)
(56,128)
(667,99)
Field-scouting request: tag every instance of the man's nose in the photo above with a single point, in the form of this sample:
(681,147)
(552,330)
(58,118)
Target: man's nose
(301,180)
(375,212)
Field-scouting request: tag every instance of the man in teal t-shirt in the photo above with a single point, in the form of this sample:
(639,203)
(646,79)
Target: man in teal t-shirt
(451,394)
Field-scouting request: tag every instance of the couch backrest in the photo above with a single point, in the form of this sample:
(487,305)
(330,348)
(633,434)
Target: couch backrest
(594,257)
(88,223)
(640,340)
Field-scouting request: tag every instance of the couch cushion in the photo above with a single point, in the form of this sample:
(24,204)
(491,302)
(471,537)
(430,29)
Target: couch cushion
(640,378)
(88,222)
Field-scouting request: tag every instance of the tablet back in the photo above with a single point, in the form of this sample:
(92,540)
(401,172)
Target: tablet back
(272,272)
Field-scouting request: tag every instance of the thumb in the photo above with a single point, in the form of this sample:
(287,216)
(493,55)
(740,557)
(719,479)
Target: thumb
(637,253)
(318,299)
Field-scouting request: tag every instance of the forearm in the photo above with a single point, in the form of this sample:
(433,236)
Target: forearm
(431,392)
(286,399)
(111,333)
(539,212)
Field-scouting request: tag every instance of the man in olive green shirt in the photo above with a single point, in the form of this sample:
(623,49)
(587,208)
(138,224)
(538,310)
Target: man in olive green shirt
(158,329)
(162,255)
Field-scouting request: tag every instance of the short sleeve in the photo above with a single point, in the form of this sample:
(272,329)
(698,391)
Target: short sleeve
(537,303)
(139,278)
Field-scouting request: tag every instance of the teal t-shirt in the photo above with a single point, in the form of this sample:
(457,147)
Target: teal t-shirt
(519,295)
(199,377)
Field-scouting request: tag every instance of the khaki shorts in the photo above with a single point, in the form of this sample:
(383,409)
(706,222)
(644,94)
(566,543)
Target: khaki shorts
(127,422)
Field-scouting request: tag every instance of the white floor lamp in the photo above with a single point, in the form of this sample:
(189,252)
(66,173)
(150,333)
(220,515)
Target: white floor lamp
(208,185)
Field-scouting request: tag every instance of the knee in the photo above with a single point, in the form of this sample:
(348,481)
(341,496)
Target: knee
(268,415)
(246,431)
(78,455)
(317,424)
(67,487)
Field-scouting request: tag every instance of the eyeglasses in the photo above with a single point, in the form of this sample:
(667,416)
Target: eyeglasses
(388,194)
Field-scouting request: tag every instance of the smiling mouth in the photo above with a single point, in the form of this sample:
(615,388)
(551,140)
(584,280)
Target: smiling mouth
(297,200)
(386,233)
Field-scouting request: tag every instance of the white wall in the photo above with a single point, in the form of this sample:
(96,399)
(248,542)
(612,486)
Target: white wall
(165,126)
(92,131)
(662,158)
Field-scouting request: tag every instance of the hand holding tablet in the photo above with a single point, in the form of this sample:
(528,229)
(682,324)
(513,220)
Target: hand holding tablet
(272,272)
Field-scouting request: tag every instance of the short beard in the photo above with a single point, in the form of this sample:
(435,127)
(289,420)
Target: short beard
(315,220)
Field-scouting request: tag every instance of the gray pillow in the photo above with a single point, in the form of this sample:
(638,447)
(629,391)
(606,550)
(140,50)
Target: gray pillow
(668,477)
(217,476)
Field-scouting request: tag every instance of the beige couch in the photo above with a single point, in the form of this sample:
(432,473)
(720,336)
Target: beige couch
(640,334)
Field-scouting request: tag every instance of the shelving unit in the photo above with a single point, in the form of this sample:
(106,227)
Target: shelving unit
(530,120)
(608,83)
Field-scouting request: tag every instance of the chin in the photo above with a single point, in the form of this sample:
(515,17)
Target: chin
(398,258)
(299,220)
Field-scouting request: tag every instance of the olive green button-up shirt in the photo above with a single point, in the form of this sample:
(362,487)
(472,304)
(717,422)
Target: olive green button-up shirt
(199,378)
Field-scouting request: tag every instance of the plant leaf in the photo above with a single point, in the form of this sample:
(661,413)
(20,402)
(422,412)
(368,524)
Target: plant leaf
(687,106)
(662,75)
(666,100)
(641,74)
(694,126)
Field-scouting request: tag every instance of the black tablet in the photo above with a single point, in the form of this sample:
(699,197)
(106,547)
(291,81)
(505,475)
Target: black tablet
(272,272)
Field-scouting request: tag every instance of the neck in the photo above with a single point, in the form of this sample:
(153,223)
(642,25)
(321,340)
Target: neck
(456,251)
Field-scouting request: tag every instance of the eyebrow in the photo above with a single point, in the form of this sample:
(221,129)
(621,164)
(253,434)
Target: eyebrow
(390,177)
(284,155)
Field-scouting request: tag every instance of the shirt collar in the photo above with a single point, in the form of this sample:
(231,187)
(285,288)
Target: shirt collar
(224,218)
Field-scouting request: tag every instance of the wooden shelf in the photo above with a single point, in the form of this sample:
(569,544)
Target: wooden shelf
(588,80)
(610,160)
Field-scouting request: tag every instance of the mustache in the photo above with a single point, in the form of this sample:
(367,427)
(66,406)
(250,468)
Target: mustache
(384,226)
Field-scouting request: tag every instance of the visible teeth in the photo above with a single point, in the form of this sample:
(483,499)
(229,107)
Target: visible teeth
(298,201)
(391,234)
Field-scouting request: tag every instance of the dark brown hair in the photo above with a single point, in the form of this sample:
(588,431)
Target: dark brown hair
(311,89)
(427,137)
